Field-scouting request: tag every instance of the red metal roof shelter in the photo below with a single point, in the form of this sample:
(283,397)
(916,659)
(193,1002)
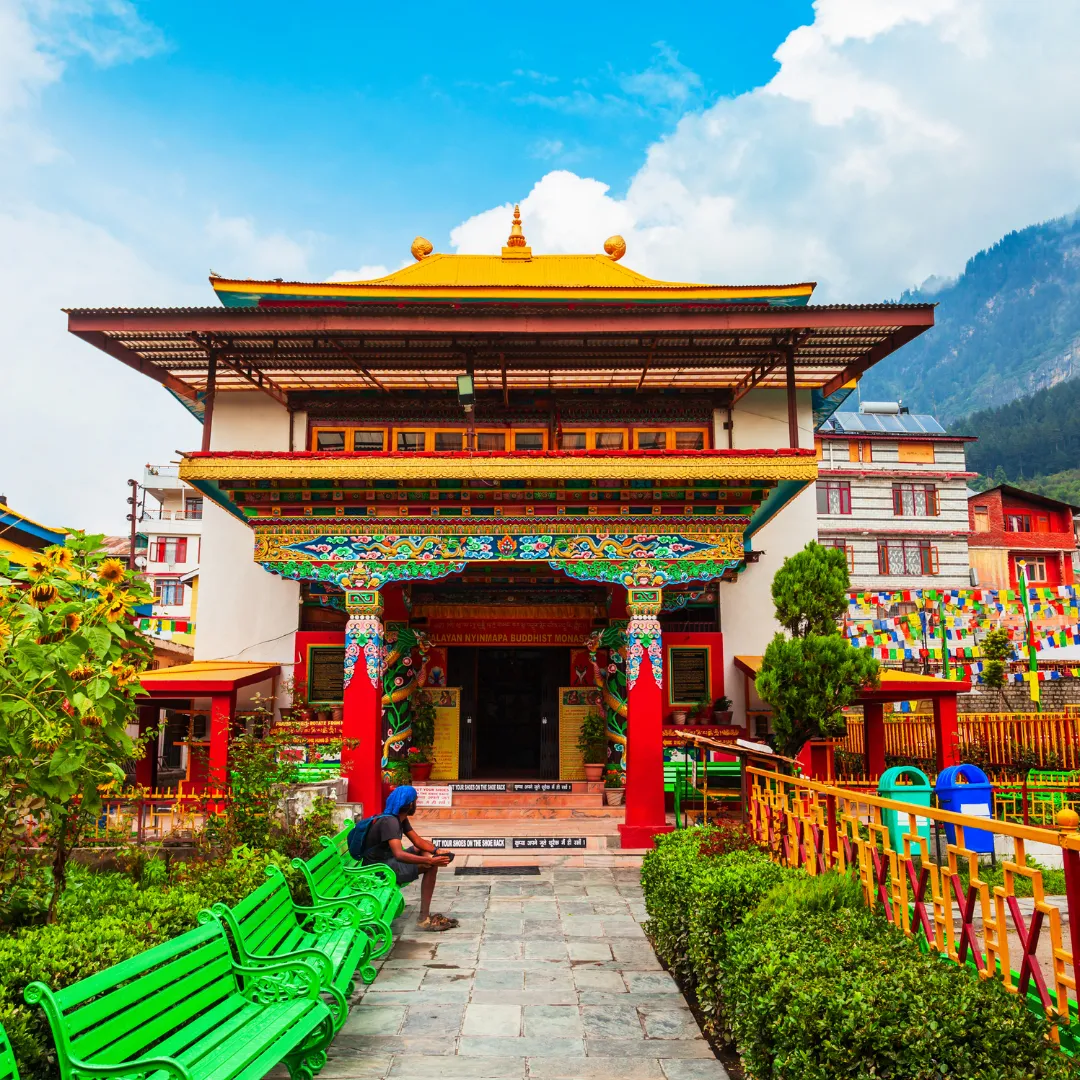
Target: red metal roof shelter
(899,686)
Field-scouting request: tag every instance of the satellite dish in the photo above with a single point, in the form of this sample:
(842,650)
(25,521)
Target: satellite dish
(140,561)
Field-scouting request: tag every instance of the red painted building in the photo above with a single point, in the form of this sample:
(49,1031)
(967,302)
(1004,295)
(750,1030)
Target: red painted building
(1008,526)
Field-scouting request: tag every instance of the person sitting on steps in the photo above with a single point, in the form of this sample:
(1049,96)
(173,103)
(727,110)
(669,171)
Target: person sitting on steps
(383,845)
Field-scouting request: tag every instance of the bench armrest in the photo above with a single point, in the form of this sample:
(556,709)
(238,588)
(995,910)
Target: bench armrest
(375,870)
(37,993)
(305,956)
(341,911)
(267,984)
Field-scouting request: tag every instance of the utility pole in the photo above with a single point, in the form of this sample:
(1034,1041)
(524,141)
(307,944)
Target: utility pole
(133,517)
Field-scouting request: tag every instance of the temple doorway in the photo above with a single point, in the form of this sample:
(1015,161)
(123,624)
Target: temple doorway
(509,709)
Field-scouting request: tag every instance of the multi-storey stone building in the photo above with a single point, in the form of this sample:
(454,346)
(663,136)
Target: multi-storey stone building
(892,492)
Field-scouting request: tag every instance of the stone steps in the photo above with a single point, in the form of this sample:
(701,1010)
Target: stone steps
(497,813)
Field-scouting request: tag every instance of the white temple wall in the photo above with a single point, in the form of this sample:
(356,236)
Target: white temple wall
(245,613)
(746,607)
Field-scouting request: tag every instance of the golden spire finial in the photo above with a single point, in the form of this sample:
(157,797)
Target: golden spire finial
(517,237)
(421,249)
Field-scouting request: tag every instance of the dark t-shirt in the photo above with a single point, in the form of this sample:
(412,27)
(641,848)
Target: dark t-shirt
(381,831)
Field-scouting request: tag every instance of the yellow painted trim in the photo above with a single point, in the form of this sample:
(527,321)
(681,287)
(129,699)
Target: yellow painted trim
(16,553)
(671,466)
(554,277)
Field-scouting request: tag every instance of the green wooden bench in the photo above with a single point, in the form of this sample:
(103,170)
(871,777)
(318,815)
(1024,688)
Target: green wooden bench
(186,1010)
(724,777)
(8,1069)
(379,902)
(333,937)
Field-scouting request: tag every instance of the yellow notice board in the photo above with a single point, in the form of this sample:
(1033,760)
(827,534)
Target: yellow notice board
(446,756)
(574,703)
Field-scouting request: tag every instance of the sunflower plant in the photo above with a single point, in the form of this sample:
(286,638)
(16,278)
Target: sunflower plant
(70,659)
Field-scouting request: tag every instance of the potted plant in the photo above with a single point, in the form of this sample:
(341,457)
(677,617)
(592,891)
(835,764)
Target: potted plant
(614,791)
(678,717)
(423,737)
(722,710)
(400,774)
(419,765)
(592,742)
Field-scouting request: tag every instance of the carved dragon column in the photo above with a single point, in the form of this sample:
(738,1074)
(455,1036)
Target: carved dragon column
(361,726)
(645,720)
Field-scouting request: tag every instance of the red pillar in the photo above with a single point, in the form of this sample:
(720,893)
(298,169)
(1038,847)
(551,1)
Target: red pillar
(222,710)
(361,725)
(874,738)
(146,766)
(645,720)
(946,733)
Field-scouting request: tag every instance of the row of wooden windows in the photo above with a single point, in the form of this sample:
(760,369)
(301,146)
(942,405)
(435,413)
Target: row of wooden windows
(908,453)
(416,440)
(897,558)
(909,500)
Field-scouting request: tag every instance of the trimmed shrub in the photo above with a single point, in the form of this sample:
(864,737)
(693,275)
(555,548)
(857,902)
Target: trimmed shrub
(801,894)
(842,993)
(724,891)
(668,875)
(104,919)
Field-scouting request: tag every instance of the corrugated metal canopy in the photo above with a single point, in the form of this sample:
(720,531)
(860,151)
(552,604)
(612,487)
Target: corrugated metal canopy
(517,346)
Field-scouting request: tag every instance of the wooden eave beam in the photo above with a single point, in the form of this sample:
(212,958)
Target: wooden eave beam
(357,364)
(240,322)
(119,351)
(890,344)
(248,372)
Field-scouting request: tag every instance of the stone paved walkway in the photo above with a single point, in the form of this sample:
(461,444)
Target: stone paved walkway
(548,977)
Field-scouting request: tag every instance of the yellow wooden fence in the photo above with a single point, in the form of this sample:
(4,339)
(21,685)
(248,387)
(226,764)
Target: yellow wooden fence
(994,738)
(822,827)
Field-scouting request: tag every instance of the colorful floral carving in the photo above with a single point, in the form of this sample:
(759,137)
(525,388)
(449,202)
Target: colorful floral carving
(610,677)
(643,635)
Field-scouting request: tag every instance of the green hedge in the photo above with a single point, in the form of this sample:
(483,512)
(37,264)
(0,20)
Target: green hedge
(809,984)
(103,919)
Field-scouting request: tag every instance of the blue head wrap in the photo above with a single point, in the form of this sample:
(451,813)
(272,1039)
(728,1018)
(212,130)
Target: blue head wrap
(399,798)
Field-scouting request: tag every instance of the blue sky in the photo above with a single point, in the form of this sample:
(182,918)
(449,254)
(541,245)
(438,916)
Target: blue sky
(366,127)
(862,144)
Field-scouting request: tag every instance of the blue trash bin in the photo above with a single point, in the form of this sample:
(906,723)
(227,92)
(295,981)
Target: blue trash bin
(965,789)
(917,791)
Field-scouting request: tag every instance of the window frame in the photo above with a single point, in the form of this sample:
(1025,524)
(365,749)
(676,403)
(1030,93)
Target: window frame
(1019,515)
(930,496)
(844,489)
(929,557)
(159,550)
(842,545)
(350,431)
(172,582)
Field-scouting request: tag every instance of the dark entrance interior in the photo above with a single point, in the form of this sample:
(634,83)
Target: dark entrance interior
(509,709)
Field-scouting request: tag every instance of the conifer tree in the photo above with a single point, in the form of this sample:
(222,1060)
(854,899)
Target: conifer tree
(810,676)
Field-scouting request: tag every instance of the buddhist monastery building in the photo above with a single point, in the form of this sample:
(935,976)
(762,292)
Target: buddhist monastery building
(533,484)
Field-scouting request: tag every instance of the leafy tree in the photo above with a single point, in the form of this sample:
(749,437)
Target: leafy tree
(810,590)
(997,648)
(809,677)
(70,659)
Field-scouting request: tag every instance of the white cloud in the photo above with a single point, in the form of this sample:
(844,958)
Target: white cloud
(667,82)
(270,255)
(897,139)
(363,273)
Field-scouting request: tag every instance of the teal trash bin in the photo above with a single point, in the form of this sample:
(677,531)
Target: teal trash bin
(917,791)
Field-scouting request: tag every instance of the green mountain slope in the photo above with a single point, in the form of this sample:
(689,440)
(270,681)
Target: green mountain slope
(1033,436)
(1008,326)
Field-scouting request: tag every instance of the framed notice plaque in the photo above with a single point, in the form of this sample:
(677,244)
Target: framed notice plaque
(688,675)
(325,674)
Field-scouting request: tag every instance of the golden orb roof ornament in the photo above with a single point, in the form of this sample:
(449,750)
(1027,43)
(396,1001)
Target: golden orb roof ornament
(421,248)
(615,246)
(517,237)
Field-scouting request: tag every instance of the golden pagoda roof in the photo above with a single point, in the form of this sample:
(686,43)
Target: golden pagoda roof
(516,274)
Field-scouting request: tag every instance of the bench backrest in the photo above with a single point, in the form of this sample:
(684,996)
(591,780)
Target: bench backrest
(263,919)
(325,871)
(125,1011)
(8,1069)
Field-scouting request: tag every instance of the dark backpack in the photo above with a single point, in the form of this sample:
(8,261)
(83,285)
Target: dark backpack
(357,839)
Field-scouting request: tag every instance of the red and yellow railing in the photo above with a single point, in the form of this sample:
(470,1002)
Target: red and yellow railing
(821,827)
